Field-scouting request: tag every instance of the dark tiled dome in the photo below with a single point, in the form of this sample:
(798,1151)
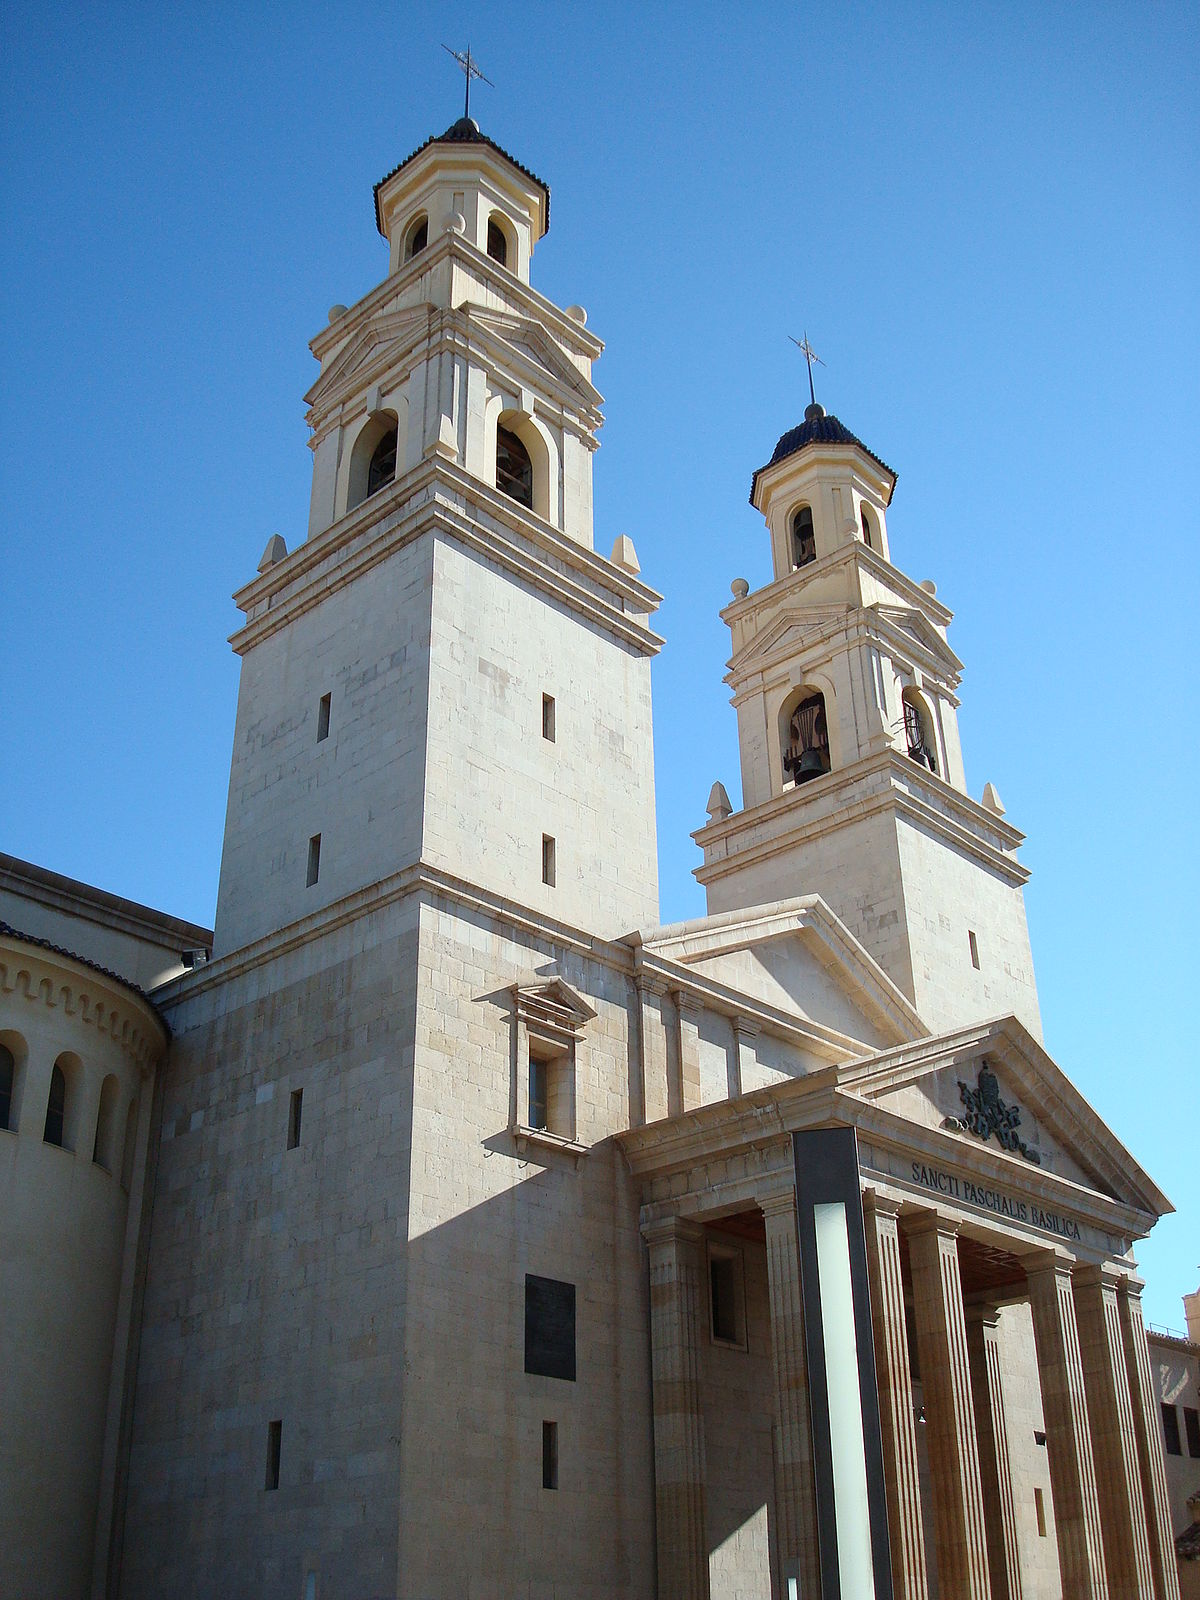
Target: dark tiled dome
(817,428)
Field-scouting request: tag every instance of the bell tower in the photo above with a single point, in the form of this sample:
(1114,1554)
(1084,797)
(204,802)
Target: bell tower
(853,786)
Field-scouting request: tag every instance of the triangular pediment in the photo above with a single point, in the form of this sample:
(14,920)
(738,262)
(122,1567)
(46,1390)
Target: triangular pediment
(551,1006)
(994,1086)
(371,350)
(923,632)
(796,957)
(531,340)
(787,632)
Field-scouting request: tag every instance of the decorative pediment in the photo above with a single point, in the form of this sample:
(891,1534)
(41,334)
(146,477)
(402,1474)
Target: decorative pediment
(922,631)
(786,633)
(372,349)
(994,1086)
(529,339)
(552,1009)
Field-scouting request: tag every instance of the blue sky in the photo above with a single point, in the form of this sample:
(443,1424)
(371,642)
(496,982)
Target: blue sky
(986,218)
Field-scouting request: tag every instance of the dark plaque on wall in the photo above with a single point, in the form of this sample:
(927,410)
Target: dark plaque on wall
(549,1327)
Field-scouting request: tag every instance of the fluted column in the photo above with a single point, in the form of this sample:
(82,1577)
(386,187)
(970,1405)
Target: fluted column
(1114,1442)
(995,1468)
(901,1476)
(1147,1431)
(676,1301)
(941,1331)
(1068,1435)
(795,1489)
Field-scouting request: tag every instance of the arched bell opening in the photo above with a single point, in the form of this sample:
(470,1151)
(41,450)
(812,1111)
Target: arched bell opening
(373,458)
(416,237)
(804,737)
(500,243)
(804,538)
(918,730)
(868,531)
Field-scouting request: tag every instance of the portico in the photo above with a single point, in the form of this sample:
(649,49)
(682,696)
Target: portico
(1014,1422)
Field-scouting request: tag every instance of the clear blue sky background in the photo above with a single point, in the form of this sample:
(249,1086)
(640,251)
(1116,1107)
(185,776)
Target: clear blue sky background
(986,218)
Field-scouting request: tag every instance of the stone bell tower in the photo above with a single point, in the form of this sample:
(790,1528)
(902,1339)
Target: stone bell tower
(445,676)
(852,775)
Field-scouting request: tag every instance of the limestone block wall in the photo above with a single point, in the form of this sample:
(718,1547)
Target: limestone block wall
(361,788)
(476,1517)
(276,1280)
(1029,1460)
(66,1258)
(495,786)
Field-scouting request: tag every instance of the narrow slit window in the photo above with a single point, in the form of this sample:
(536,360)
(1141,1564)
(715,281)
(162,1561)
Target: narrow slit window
(323,717)
(549,1455)
(974,943)
(56,1107)
(274,1443)
(1191,1424)
(8,1075)
(548,863)
(548,717)
(726,1297)
(1170,1425)
(1039,1506)
(539,1093)
(295,1107)
(314,859)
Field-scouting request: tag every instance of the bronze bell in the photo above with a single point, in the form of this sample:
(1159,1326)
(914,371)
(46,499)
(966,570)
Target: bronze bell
(809,766)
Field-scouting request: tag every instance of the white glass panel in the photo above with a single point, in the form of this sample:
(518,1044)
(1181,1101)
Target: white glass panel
(851,1507)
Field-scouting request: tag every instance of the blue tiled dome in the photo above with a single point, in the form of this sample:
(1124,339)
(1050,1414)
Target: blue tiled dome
(817,428)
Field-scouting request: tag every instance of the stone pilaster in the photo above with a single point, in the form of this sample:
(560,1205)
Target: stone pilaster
(941,1331)
(897,1424)
(795,1487)
(745,1033)
(676,1304)
(689,1050)
(995,1469)
(1148,1433)
(1068,1434)
(1114,1443)
(654,1073)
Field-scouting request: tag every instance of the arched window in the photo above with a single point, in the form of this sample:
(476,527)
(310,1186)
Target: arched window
(806,742)
(416,238)
(804,540)
(8,1083)
(918,733)
(129,1148)
(866,522)
(56,1106)
(497,242)
(382,468)
(514,469)
(106,1125)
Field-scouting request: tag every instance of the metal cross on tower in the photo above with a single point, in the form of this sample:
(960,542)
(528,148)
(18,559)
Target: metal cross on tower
(467,62)
(810,355)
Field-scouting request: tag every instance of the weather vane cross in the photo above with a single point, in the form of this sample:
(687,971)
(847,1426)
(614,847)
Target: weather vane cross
(471,70)
(810,355)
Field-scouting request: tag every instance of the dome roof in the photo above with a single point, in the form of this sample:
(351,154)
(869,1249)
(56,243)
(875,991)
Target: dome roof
(464,131)
(817,428)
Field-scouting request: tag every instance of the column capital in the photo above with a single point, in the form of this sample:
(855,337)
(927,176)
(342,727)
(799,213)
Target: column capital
(688,1004)
(881,1204)
(1131,1285)
(672,1230)
(918,1223)
(646,984)
(1100,1274)
(746,1028)
(983,1312)
(1047,1259)
(779,1198)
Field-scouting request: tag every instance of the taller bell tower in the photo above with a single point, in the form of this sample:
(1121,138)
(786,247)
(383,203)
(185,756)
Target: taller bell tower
(852,774)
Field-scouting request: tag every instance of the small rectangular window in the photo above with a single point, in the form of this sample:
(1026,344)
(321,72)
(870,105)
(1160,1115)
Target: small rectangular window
(548,860)
(549,1328)
(1039,1506)
(274,1441)
(539,1099)
(726,1297)
(314,859)
(295,1105)
(1170,1424)
(1191,1425)
(549,1455)
(323,717)
(548,717)
(974,949)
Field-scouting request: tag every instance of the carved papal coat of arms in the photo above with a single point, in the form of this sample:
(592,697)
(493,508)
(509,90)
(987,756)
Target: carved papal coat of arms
(987,1114)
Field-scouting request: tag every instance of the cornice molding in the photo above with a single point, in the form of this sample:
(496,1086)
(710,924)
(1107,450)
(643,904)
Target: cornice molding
(86,995)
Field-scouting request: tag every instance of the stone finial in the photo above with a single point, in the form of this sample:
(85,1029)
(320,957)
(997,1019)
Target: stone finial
(929,587)
(739,588)
(455,223)
(337,312)
(992,801)
(624,555)
(275,551)
(577,314)
(718,803)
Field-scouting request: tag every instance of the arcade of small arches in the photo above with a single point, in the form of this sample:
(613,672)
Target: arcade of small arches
(501,244)
(804,537)
(60,1121)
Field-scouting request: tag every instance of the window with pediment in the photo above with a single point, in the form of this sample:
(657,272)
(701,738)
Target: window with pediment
(549,1022)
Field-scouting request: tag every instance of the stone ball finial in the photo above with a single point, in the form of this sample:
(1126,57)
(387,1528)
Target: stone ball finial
(929,586)
(991,800)
(337,312)
(455,223)
(814,412)
(275,551)
(718,803)
(577,314)
(739,588)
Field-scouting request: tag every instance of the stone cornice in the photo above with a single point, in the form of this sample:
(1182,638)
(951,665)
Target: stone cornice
(857,555)
(438,495)
(83,993)
(901,786)
(61,893)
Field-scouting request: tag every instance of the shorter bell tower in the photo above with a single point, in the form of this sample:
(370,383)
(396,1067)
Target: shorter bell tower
(853,786)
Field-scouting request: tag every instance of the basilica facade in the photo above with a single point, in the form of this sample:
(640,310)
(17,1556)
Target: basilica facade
(444,1225)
